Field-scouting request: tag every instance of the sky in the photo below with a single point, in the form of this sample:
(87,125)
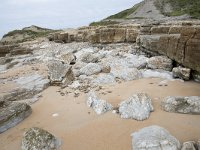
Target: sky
(56,14)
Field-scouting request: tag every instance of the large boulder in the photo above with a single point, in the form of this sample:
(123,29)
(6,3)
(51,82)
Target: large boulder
(100,106)
(178,104)
(12,113)
(60,73)
(39,139)
(136,107)
(154,138)
(90,69)
(160,62)
(182,73)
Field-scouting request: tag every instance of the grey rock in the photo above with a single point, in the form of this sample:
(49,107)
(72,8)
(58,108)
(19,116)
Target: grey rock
(198,144)
(90,69)
(12,113)
(34,82)
(39,139)
(100,106)
(103,79)
(182,73)
(89,58)
(190,145)
(160,62)
(154,138)
(68,58)
(196,76)
(60,73)
(105,68)
(178,104)
(136,107)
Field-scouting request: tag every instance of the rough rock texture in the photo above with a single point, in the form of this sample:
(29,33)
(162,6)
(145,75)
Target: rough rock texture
(89,58)
(154,138)
(136,107)
(68,58)
(188,145)
(39,139)
(181,43)
(100,106)
(12,113)
(90,69)
(100,34)
(60,73)
(182,73)
(160,62)
(185,105)
(196,76)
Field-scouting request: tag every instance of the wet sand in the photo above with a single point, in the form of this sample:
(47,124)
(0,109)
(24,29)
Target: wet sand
(79,127)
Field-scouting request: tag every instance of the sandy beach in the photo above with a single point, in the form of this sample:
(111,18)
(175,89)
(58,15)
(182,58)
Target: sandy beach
(78,127)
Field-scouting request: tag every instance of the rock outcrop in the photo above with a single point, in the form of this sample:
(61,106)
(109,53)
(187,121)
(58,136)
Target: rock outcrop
(185,105)
(39,139)
(154,137)
(100,106)
(136,107)
(179,42)
(12,113)
(100,34)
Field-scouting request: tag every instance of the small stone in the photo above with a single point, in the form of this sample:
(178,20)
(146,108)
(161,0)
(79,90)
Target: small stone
(182,73)
(190,145)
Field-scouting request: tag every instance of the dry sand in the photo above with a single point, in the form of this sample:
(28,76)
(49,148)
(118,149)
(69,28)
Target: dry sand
(80,128)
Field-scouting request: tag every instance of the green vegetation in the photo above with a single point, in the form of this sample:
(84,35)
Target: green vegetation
(103,23)
(124,14)
(180,7)
(28,34)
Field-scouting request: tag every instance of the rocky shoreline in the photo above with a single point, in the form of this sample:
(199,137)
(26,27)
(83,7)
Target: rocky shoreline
(84,61)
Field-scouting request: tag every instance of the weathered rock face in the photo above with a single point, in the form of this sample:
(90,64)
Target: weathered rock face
(103,34)
(60,73)
(185,105)
(196,76)
(39,139)
(160,62)
(182,73)
(154,138)
(180,43)
(12,113)
(100,106)
(90,69)
(188,145)
(136,107)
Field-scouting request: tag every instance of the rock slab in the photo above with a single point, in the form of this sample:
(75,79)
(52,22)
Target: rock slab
(12,113)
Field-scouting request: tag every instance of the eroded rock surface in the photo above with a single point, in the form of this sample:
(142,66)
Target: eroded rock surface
(60,73)
(154,138)
(39,139)
(100,106)
(178,104)
(160,62)
(136,107)
(182,73)
(12,113)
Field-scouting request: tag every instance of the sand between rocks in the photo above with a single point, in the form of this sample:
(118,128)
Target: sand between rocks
(80,128)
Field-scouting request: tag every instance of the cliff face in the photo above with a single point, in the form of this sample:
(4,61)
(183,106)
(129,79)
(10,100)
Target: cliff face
(180,43)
